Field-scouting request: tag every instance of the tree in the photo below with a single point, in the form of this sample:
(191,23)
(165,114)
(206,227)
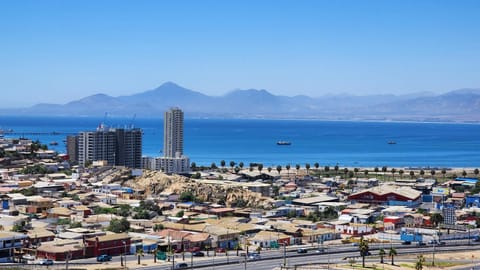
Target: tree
(180,213)
(139,254)
(422,173)
(213,166)
(464,173)
(260,167)
(237,169)
(393,171)
(381,253)
(119,225)
(412,174)
(222,163)
(432,173)
(384,170)
(326,169)
(436,218)
(187,196)
(279,169)
(444,172)
(232,164)
(401,172)
(240,165)
(336,168)
(193,166)
(363,248)
(420,262)
(345,172)
(365,172)
(476,172)
(269,169)
(158,227)
(307,167)
(356,170)
(288,169)
(392,253)
(297,167)
(316,165)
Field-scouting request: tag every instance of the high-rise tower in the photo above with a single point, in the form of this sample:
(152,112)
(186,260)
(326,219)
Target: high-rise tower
(173,133)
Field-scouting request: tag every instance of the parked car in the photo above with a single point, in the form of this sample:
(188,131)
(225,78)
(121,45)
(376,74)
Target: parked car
(181,265)
(178,250)
(406,243)
(254,256)
(45,262)
(198,254)
(421,244)
(104,258)
(220,250)
(302,250)
(193,249)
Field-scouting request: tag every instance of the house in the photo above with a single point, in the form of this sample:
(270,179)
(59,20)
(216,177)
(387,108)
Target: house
(111,244)
(269,239)
(60,249)
(9,241)
(354,229)
(388,195)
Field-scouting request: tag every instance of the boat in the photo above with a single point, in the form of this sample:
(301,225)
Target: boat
(392,142)
(53,143)
(283,143)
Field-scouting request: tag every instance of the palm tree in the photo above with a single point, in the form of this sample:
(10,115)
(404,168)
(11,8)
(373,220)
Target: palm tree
(240,165)
(376,170)
(317,165)
(444,172)
(297,167)
(279,169)
(336,168)
(393,170)
(392,253)
(356,170)
(193,165)
(365,172)
(326,169)
(422,173)
(269,169)
(432,173)
(213,166)
(476,172)
(288,169)
(238,247)
(420,262)
(412,174)
(260,167)
(363,248)
(345,171)
(401,172)
(307,167)
(381,253)
(384,170)
(464,173)
(232,164)
(237,169)
(222,163)
(139,254)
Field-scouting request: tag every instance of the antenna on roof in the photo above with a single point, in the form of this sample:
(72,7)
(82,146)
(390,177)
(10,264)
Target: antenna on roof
(133,120)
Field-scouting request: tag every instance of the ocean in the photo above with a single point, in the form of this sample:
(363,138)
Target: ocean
(343,143)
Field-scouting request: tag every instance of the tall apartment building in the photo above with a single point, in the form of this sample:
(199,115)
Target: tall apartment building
(173,160)
(173,133)
(117,146)
(72,148)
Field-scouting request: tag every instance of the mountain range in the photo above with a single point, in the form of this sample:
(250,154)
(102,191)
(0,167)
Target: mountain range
(459,105)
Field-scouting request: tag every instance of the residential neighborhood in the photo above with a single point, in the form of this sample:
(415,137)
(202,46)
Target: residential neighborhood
(53,209)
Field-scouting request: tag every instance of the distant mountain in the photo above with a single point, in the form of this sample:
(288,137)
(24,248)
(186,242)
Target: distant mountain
(457,105)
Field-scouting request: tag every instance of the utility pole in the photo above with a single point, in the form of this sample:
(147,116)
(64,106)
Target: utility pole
(285,255)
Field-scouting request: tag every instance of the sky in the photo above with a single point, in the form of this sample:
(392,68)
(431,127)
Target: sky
(59,51)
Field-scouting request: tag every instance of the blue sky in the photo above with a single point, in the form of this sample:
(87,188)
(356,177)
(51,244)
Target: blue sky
(58,51)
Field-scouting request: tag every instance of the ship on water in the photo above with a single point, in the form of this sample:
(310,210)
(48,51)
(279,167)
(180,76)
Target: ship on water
(284,143)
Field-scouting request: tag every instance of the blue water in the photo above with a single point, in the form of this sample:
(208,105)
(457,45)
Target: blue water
(356,144)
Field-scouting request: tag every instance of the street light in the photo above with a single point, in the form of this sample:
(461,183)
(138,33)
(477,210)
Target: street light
(125,253)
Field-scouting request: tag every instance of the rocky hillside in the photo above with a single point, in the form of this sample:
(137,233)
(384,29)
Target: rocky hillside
(230,194)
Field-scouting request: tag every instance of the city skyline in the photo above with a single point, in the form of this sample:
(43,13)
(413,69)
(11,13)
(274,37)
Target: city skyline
(63,51)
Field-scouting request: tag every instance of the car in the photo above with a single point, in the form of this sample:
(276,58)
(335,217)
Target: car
(254,256)
(320,250)
(354,244)
(421,244)
(406,243)
(181,265)
(198,254)
(302,250)
(45,262)
(178,250)
(220,250)
(104,258)
(193,249)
